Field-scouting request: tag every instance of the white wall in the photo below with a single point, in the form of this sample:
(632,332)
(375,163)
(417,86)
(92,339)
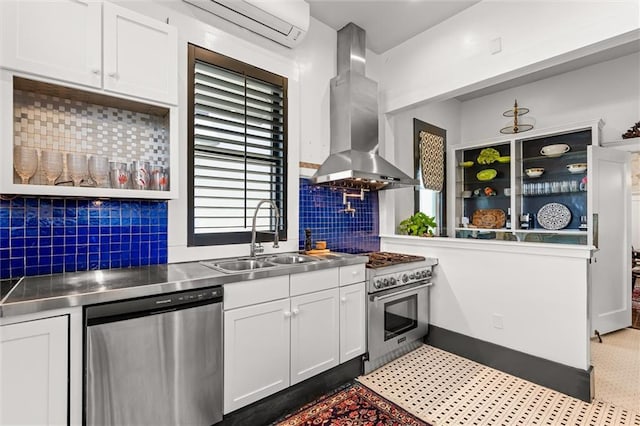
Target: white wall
(539,294)
(609,90)
(635,221)
(316,58)
(399,128)
(543,299)
(454,57)
(308,69)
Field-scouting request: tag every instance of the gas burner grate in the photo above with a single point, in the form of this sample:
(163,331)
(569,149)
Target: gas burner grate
(381,259)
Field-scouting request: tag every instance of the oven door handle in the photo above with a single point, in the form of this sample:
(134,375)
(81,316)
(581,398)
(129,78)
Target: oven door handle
(389,296)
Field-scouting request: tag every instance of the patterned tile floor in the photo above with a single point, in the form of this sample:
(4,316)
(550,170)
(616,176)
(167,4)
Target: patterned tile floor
(445,389)
(617,368)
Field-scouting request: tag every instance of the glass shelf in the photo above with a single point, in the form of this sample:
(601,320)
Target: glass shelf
(565,175)
(555,194)
(567,156)
(527,231)
(484,182)
(551,231)
(484,197)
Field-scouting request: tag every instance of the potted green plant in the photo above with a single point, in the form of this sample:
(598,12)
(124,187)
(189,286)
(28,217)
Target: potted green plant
(419,224)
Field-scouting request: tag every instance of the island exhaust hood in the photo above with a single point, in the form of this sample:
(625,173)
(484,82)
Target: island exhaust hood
(354,161)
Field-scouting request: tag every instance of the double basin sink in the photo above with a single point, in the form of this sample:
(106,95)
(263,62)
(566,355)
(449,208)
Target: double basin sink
(270,261)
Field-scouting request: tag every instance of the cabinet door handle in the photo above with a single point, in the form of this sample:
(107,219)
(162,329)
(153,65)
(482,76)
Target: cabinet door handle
(95,71)
(295,311)
(354,273)
(343,299)
(113,75)
(287,314)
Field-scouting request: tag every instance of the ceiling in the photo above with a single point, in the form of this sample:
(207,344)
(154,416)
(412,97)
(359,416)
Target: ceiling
(387,23)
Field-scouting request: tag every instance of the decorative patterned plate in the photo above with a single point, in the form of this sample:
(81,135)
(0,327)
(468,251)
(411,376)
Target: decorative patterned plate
(488,218)
(554,216)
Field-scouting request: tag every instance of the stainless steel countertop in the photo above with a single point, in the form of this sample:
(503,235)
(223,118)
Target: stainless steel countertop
(35,294)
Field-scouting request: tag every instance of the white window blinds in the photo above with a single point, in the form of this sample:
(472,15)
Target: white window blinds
(239,152)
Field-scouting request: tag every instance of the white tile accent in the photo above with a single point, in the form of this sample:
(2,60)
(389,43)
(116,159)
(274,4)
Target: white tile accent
(48,122)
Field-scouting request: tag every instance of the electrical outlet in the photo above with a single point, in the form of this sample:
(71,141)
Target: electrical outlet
(498,321)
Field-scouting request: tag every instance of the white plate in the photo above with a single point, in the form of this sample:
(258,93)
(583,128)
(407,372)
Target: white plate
(554,216)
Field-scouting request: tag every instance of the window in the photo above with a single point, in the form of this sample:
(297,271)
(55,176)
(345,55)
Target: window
(430,202)
(237,150)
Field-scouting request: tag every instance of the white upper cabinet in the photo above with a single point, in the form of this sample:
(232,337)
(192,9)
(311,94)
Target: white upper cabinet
(60,39)
(90,43)
(140,55)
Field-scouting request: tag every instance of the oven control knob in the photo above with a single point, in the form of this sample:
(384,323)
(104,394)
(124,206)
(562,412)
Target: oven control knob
(412,276)
(377,283)
(386,282)
(392,281)
(405,278)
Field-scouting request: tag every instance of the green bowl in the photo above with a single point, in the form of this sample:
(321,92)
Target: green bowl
(486,175)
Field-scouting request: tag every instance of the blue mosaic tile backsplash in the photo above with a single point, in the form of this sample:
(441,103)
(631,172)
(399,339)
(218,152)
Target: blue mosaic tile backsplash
(42,236)
(321,210)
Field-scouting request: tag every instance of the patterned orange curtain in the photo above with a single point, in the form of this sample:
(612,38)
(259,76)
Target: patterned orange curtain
(432,161)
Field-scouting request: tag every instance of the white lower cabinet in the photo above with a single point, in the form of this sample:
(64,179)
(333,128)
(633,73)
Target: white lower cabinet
(34,372)
(315,346)
(256,352)
(353,327)
(269,345)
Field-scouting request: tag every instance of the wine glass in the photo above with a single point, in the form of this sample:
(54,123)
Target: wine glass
(77,165)
(25,161)
(99,169)
(51,164)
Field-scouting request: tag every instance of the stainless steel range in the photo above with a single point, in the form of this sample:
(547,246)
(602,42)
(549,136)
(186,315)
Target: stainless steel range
(397,305)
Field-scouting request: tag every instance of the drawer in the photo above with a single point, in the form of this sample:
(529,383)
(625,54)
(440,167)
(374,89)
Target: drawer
(251,292)
(352,274)
(309,282)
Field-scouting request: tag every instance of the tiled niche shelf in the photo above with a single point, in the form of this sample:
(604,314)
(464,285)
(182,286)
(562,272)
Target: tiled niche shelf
(48,116)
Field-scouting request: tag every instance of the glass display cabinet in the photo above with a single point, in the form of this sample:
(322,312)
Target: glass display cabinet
(533,187)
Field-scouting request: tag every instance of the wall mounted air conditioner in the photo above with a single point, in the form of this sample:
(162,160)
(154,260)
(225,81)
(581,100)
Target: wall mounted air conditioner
(283,21)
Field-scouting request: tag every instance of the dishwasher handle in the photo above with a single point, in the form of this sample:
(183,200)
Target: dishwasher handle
(151,305)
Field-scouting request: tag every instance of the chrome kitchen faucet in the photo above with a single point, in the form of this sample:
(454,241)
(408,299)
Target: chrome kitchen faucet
(257,249)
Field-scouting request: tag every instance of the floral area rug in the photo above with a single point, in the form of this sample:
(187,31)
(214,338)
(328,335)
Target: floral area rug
(354,406)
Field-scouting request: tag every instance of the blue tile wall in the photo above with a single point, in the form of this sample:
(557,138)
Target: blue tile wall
(42,236)
(320,210)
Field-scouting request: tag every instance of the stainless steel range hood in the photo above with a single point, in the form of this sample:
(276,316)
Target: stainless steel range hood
(354,161)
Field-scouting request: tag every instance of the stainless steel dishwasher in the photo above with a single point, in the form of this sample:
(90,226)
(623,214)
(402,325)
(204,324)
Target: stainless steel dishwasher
(155,360)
